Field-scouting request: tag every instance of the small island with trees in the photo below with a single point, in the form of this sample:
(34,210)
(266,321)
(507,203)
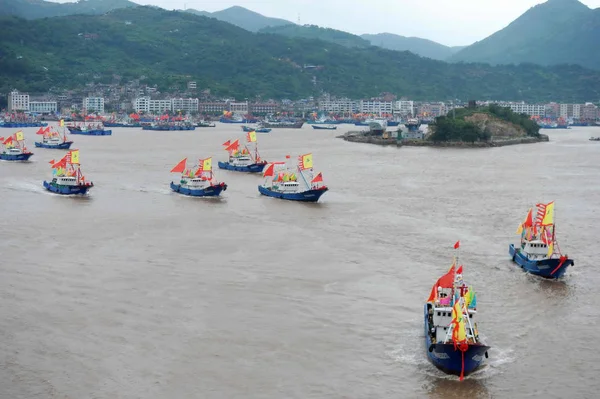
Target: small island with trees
(489,126)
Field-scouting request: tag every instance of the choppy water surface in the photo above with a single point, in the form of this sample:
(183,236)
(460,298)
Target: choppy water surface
(137,292)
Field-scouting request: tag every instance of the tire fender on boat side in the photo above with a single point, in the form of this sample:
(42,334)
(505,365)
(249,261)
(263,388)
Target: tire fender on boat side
(432,346)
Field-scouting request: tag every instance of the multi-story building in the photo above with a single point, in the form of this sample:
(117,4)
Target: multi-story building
(341,105)
(376,107)
(404,108)
(529,109)
(185,105)
(160,106)
(264,108)
(239,108)
(214,107)
(552,110)
(433,110)
(18,101)
(192,86)
(589,112)
(93,104)
(141,104)
(43,107)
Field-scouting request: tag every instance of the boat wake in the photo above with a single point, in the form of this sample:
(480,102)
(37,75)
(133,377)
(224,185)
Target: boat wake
(27,187)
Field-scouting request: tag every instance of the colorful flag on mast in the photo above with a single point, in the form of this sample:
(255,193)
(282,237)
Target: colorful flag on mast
(548,218)
(318,178)
(180,167)
(206,164)
(251,136)
(306,161)
(269,171)
(19,135)
(75,157)
(457,245)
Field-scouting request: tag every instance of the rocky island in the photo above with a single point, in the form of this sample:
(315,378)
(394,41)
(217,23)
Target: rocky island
(490,126)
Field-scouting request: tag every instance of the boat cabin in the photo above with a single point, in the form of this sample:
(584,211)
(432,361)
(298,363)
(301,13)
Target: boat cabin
(13,151)
(243,160)
(195,183)
(440,319)
(289,187)
(65,180)
(535,249)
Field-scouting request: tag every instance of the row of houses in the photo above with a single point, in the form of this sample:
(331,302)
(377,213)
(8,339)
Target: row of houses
(21,102)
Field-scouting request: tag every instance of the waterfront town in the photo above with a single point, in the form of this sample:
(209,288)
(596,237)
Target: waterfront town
(104,99)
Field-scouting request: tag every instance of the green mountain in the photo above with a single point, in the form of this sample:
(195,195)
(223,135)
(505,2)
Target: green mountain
(244,18)
(422,47)
(315,32)
(169,48)
(555,32)
(34,9)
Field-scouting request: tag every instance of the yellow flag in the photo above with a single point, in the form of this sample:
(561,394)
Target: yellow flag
(307,161)
(550,249)
(549,215)
(75,157)
(207,164)
(252,136)
(19,135)
(520,229)
(61,123)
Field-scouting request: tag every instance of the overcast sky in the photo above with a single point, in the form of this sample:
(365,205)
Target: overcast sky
(450,22)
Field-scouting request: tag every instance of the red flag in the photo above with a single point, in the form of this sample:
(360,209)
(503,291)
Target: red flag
(287,157)
(270,170)
(40,131)
(233,146)
(180,167)
(227,143)
(318,178)
(8,140)
(51,162)
(457,244)
(446,281)
(529,219)
(1,138)
(459,270)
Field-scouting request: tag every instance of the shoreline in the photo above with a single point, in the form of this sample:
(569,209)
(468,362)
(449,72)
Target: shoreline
(355,137)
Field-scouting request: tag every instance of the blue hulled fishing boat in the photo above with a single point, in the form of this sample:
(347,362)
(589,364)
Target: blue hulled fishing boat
(90,130)
(452,340)
(294,184)
(538,252)
(243,160)
(14,148)
(67,178)
(199,182)
(326,127)
(52,139)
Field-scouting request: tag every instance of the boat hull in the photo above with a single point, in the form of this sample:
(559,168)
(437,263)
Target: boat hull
(330,127)
(67,190)
(212,191)
(306,196)
(17,124)
(254,168)
(547,268)
(16,157)
(448,359)
(92,132)
(61,146)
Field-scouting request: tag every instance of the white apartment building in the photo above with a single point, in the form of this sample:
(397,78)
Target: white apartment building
(18,102)
(339,106)
(160,106)
(93,104)
(185,105)
(141,104)
(239,108)
(43,107)
(529,109)
(404,107)
(570,111)
(376,107)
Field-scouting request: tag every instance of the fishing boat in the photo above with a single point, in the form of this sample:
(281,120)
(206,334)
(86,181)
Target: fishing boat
(258,129)
(197,181)
(326,127)
(14,148)
(452,340)
(67,178)
(90,130)
(204,123)
(244,160)
(538,252)
(594,138)
(293,183)
(53,139)
(288,124)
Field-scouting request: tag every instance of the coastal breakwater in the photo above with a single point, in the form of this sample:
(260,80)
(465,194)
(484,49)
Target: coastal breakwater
(361,137)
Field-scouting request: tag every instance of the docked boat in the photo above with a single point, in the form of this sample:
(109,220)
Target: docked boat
(413,125)
(205,124)
(67,178)
(326,127)
(53,139)
(14,148)
(258,129)
(20,124)
(244,160)
(293,183)
(594,138)
(169,126)
(538,252)
(287,124)
(89,130)
(197,181)
(452,340)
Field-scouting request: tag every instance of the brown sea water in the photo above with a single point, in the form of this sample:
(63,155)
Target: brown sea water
(138,292)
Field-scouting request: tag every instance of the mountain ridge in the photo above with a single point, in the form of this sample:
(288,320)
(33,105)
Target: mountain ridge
(423,47)
(243,17)
(169,48)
